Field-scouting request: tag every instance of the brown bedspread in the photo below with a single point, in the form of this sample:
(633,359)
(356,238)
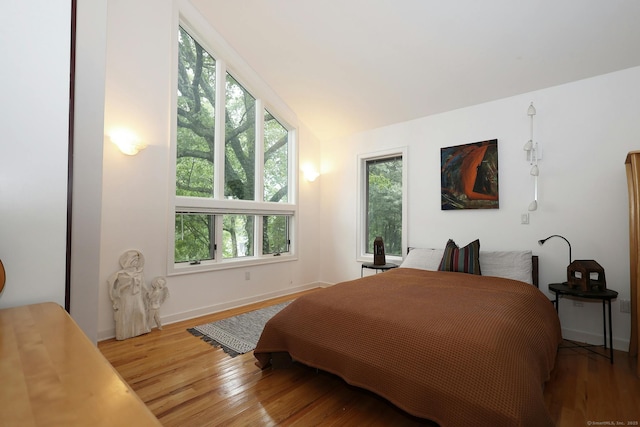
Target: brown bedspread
(454,348)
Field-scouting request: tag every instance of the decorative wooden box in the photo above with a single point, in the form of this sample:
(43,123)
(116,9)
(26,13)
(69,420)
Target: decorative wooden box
(587,275)
(378,252)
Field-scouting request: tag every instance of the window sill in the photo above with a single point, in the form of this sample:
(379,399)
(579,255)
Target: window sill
(209,266)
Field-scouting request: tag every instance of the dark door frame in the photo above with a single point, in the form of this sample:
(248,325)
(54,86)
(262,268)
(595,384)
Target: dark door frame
(72,69)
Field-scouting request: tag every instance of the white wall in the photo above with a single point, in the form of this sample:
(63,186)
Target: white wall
(585,128)
(135,195)
(34,117)
(91,40)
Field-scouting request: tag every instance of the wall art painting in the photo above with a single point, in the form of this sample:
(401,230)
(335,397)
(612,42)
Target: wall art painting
(469,176)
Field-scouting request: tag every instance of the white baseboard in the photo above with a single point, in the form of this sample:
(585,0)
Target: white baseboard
(191,314)
(594,339)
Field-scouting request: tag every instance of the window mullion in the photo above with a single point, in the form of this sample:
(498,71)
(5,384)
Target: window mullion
(218,238)
(259,160)
(293,167)
(259,183)
(212,238)
(219,135)
(258,230)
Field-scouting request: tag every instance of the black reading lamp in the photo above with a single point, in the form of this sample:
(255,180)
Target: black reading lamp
(541,242)
(585,274)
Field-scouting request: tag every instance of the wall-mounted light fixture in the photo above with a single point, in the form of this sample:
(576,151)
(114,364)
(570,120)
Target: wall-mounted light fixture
(127,141)
(3,276)
(310,172)
(533,154)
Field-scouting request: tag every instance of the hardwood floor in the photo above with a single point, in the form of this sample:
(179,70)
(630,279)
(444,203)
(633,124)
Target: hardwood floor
(187,382)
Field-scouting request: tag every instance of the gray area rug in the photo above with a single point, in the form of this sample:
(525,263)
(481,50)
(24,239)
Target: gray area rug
(239,334)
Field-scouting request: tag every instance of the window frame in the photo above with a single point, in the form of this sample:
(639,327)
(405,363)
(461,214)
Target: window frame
(218,205)
(361,227)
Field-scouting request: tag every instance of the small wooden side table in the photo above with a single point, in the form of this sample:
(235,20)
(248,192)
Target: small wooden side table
(605,296)
(382,267)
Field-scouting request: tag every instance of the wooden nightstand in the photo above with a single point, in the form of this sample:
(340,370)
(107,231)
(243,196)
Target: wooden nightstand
(605,296)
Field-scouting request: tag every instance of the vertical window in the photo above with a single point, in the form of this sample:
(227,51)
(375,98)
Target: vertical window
(384,203)
(240,142)
(382,206)
(233,158)
(276,160)
(196,119)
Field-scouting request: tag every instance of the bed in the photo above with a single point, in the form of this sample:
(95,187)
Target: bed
(448,346)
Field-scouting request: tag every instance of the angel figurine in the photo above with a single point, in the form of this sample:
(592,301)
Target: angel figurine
(156,296)
(127,291)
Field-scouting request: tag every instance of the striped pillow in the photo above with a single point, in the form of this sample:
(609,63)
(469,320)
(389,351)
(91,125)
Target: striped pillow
(462,260)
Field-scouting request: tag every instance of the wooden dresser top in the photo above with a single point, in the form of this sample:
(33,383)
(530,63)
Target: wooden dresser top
(53,375)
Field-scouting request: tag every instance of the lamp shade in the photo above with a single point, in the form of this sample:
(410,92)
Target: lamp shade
(128,142)
(3,276)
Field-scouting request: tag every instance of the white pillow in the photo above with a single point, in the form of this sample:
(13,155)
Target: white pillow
(516,265)
(424,259)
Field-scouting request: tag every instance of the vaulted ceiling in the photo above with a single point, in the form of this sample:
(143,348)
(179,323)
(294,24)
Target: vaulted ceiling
(345,66)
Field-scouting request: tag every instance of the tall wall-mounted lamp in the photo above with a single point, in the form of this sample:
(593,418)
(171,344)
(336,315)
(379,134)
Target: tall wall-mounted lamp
(127,141)
(532,150)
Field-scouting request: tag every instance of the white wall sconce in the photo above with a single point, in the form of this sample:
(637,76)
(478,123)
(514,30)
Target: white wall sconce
(310,172)
(127,141)
(533,155)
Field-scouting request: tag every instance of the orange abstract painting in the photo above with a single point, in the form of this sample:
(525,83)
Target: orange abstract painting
(469,176)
